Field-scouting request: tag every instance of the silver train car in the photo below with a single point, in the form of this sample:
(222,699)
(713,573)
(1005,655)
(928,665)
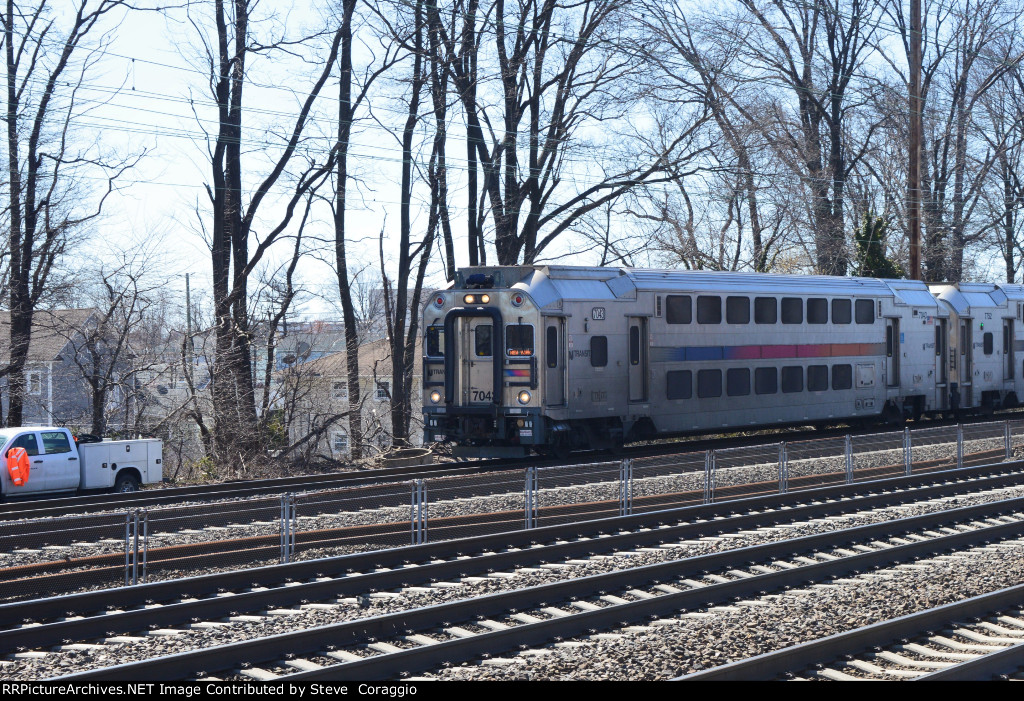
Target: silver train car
(548,359)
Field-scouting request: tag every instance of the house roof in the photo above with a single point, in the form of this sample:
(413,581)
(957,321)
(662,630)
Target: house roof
(375,354)
(51,329)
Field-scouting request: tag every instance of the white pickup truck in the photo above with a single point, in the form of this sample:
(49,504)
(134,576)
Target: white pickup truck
(57,463)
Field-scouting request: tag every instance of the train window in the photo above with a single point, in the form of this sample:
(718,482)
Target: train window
(737,382)
(737,310)
(709,383)
(890,338)
(678,384)
(792,379)
(865,311)
(792,310)
(987,340)
(482,341)
(817,310)
(766,310)
(435,341)
(938,339)
(518,340)
(634,345)
(842,377)
(817,377)
(766,381)
(551,347)
(678,309)
(709,310)
(598,351)
(842,311)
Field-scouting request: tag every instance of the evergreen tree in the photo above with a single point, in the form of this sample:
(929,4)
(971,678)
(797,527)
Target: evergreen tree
(872,261)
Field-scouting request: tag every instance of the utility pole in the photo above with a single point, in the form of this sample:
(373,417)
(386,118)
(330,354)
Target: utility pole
(914,171)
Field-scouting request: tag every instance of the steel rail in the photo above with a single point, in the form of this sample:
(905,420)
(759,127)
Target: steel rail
(695,521)
(796,657)
(41,507)
(194,663)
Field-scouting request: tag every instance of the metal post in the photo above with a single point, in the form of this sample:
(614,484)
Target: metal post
(959,445)
(127,544)
(848,451)
(135,547)
(293,525)
(709,476)
(283,527)
(1007,441)
(417,513)
(626,487)
(531,497)
(145,544)
(908,458)
(414,495)
(782,467)
(424,506)
(288,519)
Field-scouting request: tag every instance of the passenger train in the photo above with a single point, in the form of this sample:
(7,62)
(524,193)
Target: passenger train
(520,359)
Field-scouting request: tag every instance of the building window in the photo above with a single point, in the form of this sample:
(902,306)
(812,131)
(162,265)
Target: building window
(339,390)
(384,388)
(339,442)
(34,382)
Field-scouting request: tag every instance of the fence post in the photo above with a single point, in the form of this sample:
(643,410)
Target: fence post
(288,518)
(417,512)
(531,498)
(626,487)
(709,476)
(848,452)
(1007,440)
(145,544)
(959,445)
(127,546)
(783,468)
(908,458)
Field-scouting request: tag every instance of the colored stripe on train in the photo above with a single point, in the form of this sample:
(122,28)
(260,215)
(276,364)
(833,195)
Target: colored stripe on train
(664,354)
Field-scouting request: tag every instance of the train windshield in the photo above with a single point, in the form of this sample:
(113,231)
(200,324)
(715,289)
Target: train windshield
(435,341)
(518,340)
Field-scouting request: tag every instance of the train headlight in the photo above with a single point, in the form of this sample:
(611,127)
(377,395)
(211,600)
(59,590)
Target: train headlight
(484,299)
(524,397)
(469,299)
(435,396)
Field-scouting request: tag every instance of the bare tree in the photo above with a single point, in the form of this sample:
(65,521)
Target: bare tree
(47,57)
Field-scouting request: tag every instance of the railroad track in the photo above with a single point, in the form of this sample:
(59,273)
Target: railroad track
(971,640)
(387,646)
(60,575)
(56,506)
(529,548)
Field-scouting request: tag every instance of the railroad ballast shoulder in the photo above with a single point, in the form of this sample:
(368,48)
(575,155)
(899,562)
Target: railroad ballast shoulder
(553,358)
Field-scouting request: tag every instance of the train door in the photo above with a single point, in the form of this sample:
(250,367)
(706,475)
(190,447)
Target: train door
(966,363)
(941,368)
(638,359)
(892,352)
(554,361)
(477,372)
(1008,355)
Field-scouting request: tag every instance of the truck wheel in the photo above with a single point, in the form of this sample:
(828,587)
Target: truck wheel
(126,484)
